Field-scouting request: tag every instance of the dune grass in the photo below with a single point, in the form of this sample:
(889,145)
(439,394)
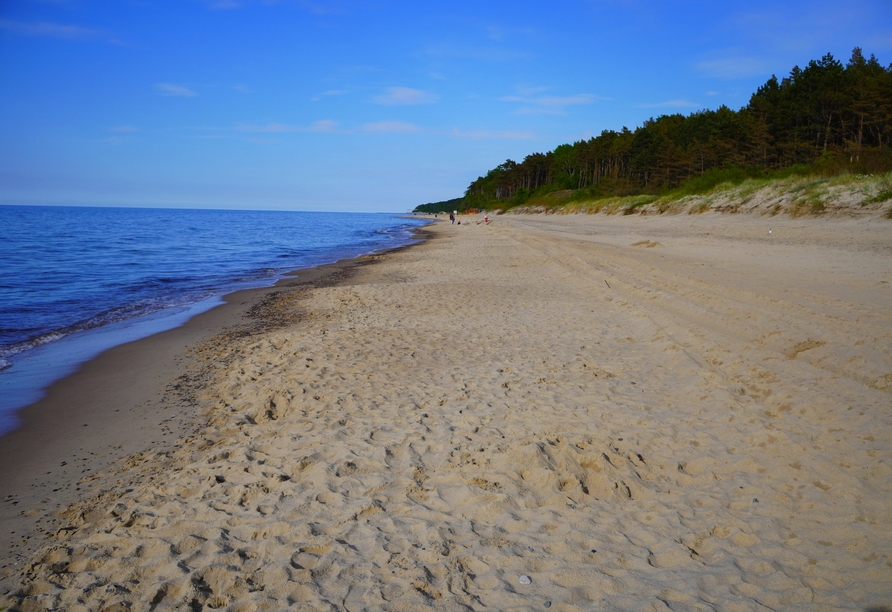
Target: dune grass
(794,193)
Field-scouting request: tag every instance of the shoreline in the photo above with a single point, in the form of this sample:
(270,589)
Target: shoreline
(44,355)
(122,401)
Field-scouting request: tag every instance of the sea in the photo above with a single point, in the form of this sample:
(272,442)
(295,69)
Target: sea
(75,281)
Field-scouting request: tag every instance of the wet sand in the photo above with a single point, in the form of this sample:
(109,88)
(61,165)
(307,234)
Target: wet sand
(572,413)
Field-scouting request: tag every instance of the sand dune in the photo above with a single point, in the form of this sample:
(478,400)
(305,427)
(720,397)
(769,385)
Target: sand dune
(681,413)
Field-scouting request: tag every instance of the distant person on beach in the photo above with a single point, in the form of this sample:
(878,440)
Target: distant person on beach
(486,218)
(452,218)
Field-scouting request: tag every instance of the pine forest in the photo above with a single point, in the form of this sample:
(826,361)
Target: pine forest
(827,118)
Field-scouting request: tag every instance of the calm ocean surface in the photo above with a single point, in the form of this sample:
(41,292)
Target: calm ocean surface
(74,281)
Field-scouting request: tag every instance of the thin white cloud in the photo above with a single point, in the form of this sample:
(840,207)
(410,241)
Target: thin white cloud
(501,33)
(491,135)
(330,92)
(323,8)
(530,91)
(391,127)
(730,68)
(324,125)
(222,4)
(462,51)
(671,104)
(51,30)
(269,128)
(120,134)
(170,89)
(540,110)
(243,89)
(548,105)
(552,101)
(395,96)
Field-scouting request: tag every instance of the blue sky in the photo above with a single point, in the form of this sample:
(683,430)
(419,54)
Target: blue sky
(365,106)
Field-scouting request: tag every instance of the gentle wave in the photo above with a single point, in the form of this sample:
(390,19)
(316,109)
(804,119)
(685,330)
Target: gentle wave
(67,270)
(122,313)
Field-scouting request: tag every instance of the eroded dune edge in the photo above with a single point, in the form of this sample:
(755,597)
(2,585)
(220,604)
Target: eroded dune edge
(635,413)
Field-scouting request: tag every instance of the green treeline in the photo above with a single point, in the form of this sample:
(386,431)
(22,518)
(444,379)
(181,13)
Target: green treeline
(827,117)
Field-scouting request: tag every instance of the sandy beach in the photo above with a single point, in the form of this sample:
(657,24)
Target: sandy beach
(582,412)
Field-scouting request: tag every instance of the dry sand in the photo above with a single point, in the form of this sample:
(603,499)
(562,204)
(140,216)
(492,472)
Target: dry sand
(637,413)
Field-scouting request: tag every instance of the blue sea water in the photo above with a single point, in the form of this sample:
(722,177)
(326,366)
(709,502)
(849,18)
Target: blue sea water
(77,280)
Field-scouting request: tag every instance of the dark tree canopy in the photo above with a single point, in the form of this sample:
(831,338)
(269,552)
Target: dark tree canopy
(828,117)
